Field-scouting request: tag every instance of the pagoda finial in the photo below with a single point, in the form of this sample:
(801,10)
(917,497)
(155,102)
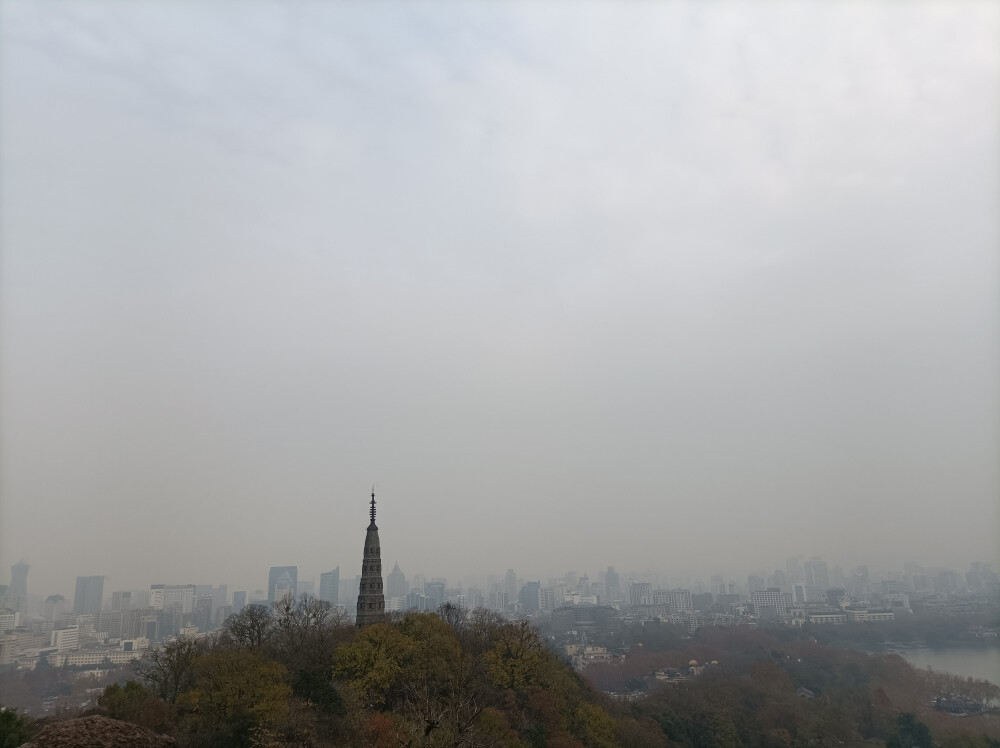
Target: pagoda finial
(373,503)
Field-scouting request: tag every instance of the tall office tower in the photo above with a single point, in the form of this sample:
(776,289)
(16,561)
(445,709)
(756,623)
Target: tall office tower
(434,591)
(89,593)
(121,600)
(546,600)
(640,593)
(239,600)
(794,569)
(395,583)
(220,596)
(282,581)
(16,596)
(329,586)
(611,584)
(54,608)
(817,575)
(530,596)
(779,580)
(718,584)
(510,585)
(371,601)
(203,612)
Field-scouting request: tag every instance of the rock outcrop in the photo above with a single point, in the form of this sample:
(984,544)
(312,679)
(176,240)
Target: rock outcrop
(98,732)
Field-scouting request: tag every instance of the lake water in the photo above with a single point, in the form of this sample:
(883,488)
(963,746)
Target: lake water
(968,662)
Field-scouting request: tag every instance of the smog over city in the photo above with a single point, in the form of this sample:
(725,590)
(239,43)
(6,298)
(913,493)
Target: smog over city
(686,289)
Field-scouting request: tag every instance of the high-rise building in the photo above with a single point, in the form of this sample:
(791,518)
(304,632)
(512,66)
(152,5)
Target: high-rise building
(121,600)
(89,593)
(546,600)
(611,584)
(16,596)
(780,580)
(239,600)
(53,609)
(640,593)
(817,575)
(282,582)
(434,591)
(329,586)
(510,584)
(203,612)
(530,597)
(395,583)
(371,600)
(768,603)
(163,596)
(220,596)
(680,601)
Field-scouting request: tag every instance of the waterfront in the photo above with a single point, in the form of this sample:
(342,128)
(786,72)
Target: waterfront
(968,662)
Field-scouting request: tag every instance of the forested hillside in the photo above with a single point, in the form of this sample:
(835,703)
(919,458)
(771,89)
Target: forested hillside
(304,676)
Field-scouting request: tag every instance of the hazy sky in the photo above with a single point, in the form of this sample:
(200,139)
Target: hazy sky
(689,286)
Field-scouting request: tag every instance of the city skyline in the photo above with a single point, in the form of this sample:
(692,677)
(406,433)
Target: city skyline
(259,590)
(657,285)
(290,580)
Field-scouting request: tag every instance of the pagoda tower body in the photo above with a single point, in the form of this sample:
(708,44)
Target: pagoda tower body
(371,600)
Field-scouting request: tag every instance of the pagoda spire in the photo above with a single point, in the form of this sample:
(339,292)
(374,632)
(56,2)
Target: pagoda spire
(371,599)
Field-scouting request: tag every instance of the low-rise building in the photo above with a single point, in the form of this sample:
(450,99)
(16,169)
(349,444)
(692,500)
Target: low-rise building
(828,618)
(65,640)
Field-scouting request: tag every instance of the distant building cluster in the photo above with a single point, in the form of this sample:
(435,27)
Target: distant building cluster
(96,627)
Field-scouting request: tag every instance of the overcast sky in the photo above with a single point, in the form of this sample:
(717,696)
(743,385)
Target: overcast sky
(684,286)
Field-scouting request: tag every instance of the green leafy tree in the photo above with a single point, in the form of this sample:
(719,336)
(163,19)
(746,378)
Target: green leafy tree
(445,689)
(135,703)
(910,733)
(15,728)
(234,692)
(372,662)
(515,656)
(597,728)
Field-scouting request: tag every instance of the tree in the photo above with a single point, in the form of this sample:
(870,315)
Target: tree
(597,726)
(251,628)
(515,656)
(910,733)
(443,687)
(306,632)
(372,662)
(233,692)
(137,704)
(313,684)
(427,672)
(169,669)
(481,630)
(15,728)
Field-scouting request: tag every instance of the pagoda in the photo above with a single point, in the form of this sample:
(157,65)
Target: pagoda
(371,601)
